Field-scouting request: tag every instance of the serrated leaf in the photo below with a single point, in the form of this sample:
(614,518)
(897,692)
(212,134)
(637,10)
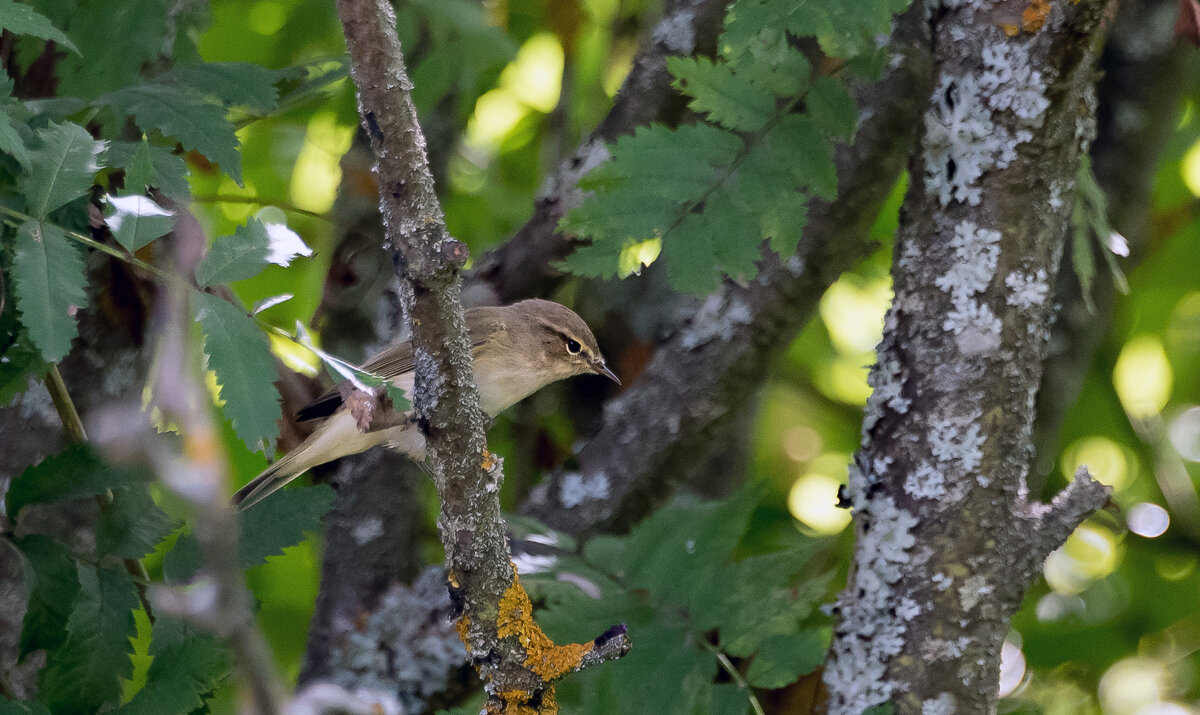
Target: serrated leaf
(20,19)
(132,525)
(239,354)
(691,261)
(50,286)
(147,165)
(137,220)
(11,142)
(715,89)
(784,658)
(676,164)
(53,582)
(85,673)
(74,473)
(832,109)
(237,257)
(187,666)
(596,260)
(199,125)
(232,83)
(62,169)
(277,522)
(281,520)
(132,37)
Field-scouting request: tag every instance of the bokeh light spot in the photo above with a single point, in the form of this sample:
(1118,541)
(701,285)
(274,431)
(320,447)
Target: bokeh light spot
(535,76)
(801,443)
(853,309)
(1131,684)
(1012,666)
(1143,377)
(639,255)
(1104,458)
(1090,554)
(813,500)
(318,173)
(1148,520)
(1184,433)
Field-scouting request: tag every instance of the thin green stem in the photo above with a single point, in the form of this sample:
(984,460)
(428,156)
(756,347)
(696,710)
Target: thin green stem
(728,666)
(257,201)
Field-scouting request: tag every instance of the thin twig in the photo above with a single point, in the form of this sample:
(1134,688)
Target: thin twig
(258,201)
(728,666)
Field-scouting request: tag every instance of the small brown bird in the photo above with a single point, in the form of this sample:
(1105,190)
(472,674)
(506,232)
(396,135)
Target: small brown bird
(518,350)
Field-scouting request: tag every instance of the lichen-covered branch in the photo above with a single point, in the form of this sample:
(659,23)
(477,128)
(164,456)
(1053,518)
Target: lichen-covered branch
(713,364)
(517,663)
(947,539)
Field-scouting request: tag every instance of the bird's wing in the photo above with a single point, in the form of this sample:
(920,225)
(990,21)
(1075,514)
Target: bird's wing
(390,364)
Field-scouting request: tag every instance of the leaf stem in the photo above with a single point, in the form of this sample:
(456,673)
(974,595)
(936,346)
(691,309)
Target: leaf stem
(257,201)
(728,666)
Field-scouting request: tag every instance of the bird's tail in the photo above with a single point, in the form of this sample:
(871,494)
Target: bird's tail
(272,479)
(337,437)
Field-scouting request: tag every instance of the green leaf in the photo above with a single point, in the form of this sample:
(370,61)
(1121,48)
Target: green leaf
(832,108)
(239,354)
(277,522)
(132,525)
(85,673)
(234,84)
(62,169)
(237,257)
(691,259)
(187,666)
(784,658)
(10,140)
(199,125)
(116,40)
(727,98)
(136,220)
(74,473)
(53,582)
(50,286)
(13,707)
(20,19)
(147,165)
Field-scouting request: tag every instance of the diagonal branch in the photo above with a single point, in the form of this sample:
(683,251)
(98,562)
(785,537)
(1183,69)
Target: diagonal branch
(516,661)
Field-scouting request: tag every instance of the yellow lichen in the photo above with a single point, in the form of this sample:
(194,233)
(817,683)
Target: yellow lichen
(548,661)
(463,625)
(1010,29)
(1035,14)
(489,460)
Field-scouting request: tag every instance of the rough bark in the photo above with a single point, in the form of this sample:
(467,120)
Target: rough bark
(495,622)
(713,363)
(948,540)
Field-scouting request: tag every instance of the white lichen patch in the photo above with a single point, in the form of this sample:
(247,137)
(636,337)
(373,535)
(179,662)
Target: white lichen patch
(941,705)
(676,32)
(972,590)
(1012,84)
(925,482)
(871,629)
(717,319)
(367,530)
(963,137)
(942,649)
(957,442)
(577,488)
(1027,290)
(976,256)
(941,580)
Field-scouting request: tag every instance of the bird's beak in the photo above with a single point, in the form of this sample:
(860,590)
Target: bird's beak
(601,369)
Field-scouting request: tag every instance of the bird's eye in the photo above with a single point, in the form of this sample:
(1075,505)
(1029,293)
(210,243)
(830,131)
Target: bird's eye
(573,346)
